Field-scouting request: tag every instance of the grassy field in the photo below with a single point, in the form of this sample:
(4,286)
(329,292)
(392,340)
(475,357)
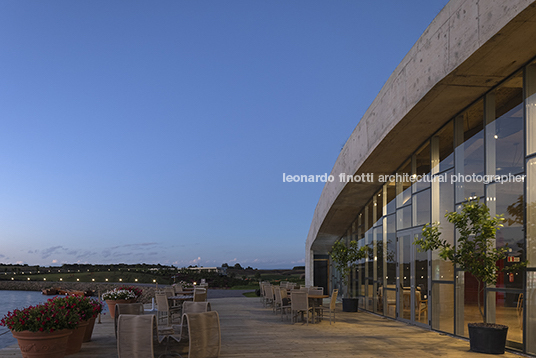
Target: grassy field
(248,279)
(114,276)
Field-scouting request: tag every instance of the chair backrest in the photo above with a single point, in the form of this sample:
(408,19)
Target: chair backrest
(162,303)
(304,289)
(391,296)
(200,295)
(406,295)
(277,294)
(316,292)
(333,299)
(299,301)
(284,293)
(136,335)
(204,334)
(170,291)
(283,283)
(177,288)
(195,307)
(418,298)
(126,308)
(267,291)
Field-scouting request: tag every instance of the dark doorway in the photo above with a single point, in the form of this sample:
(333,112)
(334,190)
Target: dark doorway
(321,272)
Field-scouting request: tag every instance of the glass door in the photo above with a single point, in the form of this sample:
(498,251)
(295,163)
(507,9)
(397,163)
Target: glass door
(413,277)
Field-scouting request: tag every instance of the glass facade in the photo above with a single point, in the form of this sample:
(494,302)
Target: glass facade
(487,151)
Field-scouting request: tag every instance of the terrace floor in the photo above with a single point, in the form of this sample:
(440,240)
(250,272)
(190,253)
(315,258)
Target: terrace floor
(249,330)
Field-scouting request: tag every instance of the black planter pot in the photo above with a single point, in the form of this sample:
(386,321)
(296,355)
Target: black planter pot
(487,338)
(349,304)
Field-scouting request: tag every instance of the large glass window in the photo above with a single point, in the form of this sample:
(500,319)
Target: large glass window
(377,275)
(441,269)
(422,167)
(389,290)
(485,139)
(507,199)
(504,129)
(470,152)
(404,260)
(403,185)
(469,302)
(369,272)
(422,207)
(530,107)
(369,215)
(442,307)
(510,314)
(421,286)
(390,255)
(445,139)
(390,189)
(531,213)
(378,207)
(403,218)
(530,306)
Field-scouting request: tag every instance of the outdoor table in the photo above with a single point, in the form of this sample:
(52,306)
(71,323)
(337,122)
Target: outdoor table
(314,299)
(181,298)
(178,300)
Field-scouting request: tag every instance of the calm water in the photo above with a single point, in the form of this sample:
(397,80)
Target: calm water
(10,300)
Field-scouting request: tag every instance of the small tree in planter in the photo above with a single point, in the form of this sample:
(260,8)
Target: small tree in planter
(475,253)
(344,258)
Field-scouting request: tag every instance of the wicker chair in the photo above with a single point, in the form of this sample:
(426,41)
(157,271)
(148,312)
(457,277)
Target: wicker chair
(136,336)
(126,308)
(204,334)
(200,295)
(195,307)
(299,303)
(163,308)
(331,307)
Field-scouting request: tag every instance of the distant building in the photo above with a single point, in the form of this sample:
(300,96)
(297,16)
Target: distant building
(220,270)
(462,106)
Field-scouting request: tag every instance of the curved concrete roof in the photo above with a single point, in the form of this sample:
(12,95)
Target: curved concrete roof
(467,49)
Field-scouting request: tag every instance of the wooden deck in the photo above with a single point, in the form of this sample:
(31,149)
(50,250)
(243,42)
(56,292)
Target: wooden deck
(251,331)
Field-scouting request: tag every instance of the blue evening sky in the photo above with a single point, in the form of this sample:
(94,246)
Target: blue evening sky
(159,131)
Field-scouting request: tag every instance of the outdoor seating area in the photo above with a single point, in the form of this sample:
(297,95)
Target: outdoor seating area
(183,324)
(248,329)
(296,302)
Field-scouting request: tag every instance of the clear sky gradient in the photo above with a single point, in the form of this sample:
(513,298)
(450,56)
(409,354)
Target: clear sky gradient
(159,131)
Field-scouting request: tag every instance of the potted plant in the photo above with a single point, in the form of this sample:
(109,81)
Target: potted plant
(344,258)
(97,309)
(86,308)
(475,253)
(123,294)
(42,330)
